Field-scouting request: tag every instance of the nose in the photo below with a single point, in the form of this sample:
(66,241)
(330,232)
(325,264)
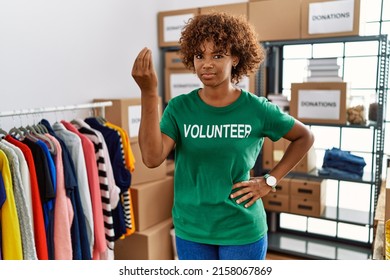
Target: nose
(208,63)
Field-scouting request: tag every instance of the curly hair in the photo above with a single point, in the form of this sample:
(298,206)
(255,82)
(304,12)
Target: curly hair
(228,32)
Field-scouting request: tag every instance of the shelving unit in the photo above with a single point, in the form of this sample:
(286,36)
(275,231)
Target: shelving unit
(303,243)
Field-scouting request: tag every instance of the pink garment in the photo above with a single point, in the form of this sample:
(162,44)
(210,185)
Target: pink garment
(99,245)
(63,210)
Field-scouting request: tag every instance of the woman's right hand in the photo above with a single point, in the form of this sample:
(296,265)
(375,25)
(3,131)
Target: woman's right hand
(144,73)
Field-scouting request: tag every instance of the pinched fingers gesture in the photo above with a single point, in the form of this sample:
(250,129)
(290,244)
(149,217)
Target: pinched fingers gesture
(144,73)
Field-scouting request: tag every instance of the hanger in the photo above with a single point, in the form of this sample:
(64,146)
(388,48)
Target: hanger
(28,134)
(32,132)
(2,131)
(16,132)
(101,119)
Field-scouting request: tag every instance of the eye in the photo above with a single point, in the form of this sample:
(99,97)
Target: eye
(218,56)
(198,56)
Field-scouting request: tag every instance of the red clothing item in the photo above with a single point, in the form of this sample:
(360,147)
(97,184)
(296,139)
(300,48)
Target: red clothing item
(94,188)
(39,223)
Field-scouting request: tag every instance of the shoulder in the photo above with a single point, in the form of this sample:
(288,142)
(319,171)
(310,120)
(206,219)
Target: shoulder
(182,99)
(185,96)
(254,99)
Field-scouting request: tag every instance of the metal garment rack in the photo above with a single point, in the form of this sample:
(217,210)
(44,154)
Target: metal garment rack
(57,109)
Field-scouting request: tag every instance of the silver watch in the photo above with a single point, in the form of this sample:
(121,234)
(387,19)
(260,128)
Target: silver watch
(270,181)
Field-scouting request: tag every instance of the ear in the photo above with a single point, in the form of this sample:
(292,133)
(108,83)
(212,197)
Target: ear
(236,60)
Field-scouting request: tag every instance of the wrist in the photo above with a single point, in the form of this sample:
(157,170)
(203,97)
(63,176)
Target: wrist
(270,181)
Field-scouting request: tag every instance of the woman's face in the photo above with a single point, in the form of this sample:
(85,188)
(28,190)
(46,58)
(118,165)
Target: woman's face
(213,67)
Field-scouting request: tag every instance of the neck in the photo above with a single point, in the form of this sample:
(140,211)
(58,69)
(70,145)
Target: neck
(219,96)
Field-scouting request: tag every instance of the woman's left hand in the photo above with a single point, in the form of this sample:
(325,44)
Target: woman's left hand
(251,190)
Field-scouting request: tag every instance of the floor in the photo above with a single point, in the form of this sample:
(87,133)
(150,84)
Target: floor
(279,256)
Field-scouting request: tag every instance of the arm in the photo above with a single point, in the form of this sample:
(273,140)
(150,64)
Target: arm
(301,140)
(154,145)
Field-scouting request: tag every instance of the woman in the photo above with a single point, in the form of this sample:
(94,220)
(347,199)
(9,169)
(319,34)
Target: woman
(217,132)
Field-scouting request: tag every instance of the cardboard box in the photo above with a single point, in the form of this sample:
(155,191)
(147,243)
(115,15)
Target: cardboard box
(321,18)
(276,202)
(308,162)
(173,60)
(309,189)
(179,81)
(319,102)
(142,173)
(155,243)
(274,151)
(240,9)
(276,20)
(283,186)
(307,197)
(170,24)
(152,202)
(126,113)
(307,207)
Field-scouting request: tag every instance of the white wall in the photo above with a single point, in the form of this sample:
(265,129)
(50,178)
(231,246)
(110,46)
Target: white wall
(55,52)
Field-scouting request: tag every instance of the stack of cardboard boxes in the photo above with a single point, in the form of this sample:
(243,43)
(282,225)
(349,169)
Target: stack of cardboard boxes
(298,195)
(151,192)
(276,20)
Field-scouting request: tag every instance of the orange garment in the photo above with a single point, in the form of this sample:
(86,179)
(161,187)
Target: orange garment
(129,158)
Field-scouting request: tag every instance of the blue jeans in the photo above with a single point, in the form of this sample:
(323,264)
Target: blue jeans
(188,250)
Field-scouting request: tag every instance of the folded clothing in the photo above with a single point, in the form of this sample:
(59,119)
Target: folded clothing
(344,161)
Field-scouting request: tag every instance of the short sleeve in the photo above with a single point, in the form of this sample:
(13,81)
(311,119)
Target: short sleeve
(277,123)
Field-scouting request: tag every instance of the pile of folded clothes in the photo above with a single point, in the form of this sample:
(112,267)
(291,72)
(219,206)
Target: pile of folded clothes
(342,164)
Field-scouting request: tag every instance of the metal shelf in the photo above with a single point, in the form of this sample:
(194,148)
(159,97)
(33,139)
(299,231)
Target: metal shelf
(322,246)
(326,40)
(316,248)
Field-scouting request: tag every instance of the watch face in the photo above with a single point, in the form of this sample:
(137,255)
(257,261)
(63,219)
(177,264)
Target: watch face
(271,181)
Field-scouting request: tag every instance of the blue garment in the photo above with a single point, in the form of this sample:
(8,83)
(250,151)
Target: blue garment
(80,243)
(188,250)
(122,175)
(343,161)
(339,174)
(3,195)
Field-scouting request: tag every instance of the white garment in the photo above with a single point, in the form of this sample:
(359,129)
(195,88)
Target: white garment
(25,176)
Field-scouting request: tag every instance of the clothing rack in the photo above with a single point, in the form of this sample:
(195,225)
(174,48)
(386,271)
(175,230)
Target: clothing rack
(57,108)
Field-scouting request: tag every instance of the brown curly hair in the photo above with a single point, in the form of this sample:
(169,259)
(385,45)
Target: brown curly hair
(228,32)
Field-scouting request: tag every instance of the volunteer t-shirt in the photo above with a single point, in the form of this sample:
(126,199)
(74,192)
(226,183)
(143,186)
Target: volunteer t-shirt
(215,148)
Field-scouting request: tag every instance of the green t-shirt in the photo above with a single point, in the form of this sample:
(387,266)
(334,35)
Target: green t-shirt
(215,148)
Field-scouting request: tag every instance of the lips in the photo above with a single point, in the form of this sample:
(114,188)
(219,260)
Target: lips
(207,75)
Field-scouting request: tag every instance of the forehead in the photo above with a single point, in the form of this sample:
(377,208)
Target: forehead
(209,46)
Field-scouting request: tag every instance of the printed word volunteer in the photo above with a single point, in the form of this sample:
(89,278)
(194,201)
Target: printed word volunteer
(217,131)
